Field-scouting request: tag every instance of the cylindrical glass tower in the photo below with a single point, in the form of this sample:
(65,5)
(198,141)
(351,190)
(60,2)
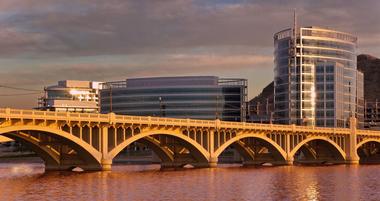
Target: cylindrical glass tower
(315,77)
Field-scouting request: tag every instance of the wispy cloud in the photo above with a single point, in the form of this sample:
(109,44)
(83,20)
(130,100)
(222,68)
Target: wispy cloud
(81,28)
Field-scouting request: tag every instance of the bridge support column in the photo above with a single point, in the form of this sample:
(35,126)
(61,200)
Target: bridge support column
(213,162)
(351,152)
(289,159)
(106,164)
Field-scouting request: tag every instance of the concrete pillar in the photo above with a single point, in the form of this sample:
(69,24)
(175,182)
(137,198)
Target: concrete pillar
(289,158)
(213,160)
(211,141)
(106,161)
(90,133)
(114,137)
(289,161)
(106,164)
(351,153)
(104,141)
(81,132)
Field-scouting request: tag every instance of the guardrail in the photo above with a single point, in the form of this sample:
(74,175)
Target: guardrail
(113,118)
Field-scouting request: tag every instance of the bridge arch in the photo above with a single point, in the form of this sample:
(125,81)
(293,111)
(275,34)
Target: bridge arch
(325,139)
(165,155)
(366,141)
(50,157)
(368,151)
(250,135)
(201,153)
(91,156)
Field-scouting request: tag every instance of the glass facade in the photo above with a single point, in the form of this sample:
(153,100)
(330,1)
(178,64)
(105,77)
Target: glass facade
(372,115)
(197,97)
(360,99)
(315,77)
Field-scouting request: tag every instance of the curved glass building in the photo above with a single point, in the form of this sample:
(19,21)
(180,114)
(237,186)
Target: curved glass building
(197,97)
(316,80)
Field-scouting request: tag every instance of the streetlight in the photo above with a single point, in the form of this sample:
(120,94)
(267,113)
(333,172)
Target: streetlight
(162,107)
(217,108)
(271,118)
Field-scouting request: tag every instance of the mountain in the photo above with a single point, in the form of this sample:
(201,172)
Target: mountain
(266,93)
(370,66)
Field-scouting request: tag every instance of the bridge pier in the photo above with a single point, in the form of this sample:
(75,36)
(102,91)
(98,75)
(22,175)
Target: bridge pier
(289,162)
(106,164)
(352,160)
(351,154)
(213,162)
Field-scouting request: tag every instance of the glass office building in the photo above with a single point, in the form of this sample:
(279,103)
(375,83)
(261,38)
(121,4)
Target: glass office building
(197,97)
(316,81)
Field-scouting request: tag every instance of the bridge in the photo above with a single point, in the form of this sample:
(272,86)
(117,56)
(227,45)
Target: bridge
(91,141)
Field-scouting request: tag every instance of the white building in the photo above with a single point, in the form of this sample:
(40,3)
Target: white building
(71,96)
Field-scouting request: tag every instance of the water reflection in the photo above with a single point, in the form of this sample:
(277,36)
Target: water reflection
(148,182)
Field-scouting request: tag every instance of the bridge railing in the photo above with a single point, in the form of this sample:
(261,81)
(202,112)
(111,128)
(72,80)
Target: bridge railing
(49,115)
(36,114)
(368,132)
(113,118)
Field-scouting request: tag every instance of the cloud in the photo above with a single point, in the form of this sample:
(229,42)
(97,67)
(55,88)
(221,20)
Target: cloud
(43,41)
(134,66)
(83,28)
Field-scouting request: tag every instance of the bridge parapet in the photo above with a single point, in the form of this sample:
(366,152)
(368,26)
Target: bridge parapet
(142,120)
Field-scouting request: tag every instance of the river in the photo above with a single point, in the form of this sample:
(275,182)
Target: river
(28,181)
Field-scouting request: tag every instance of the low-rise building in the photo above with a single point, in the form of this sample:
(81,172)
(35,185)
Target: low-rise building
(71,96)
(197,97)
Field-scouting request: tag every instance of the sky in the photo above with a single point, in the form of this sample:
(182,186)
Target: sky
(43,41)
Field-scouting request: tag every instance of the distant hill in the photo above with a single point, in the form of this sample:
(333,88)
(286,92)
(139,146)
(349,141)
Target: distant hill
(369,65)
(266,93)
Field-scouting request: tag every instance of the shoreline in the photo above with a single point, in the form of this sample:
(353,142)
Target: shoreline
(21,159)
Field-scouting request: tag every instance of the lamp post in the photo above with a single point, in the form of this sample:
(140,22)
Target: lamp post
(110,97)
(162,107)
(271,118)
(217,108)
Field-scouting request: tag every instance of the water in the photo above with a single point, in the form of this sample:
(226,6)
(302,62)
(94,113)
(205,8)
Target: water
(147,182)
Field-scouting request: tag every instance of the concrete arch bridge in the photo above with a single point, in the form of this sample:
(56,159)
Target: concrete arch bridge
(90,141)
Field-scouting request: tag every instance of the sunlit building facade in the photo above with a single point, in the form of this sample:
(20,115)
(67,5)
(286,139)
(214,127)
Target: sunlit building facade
(71,96)
(316,81)
(196,97)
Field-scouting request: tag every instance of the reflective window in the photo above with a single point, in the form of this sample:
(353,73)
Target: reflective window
(329,78)
(330,113)
(330,96)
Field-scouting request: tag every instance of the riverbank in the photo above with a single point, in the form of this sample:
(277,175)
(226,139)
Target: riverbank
(21,159)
